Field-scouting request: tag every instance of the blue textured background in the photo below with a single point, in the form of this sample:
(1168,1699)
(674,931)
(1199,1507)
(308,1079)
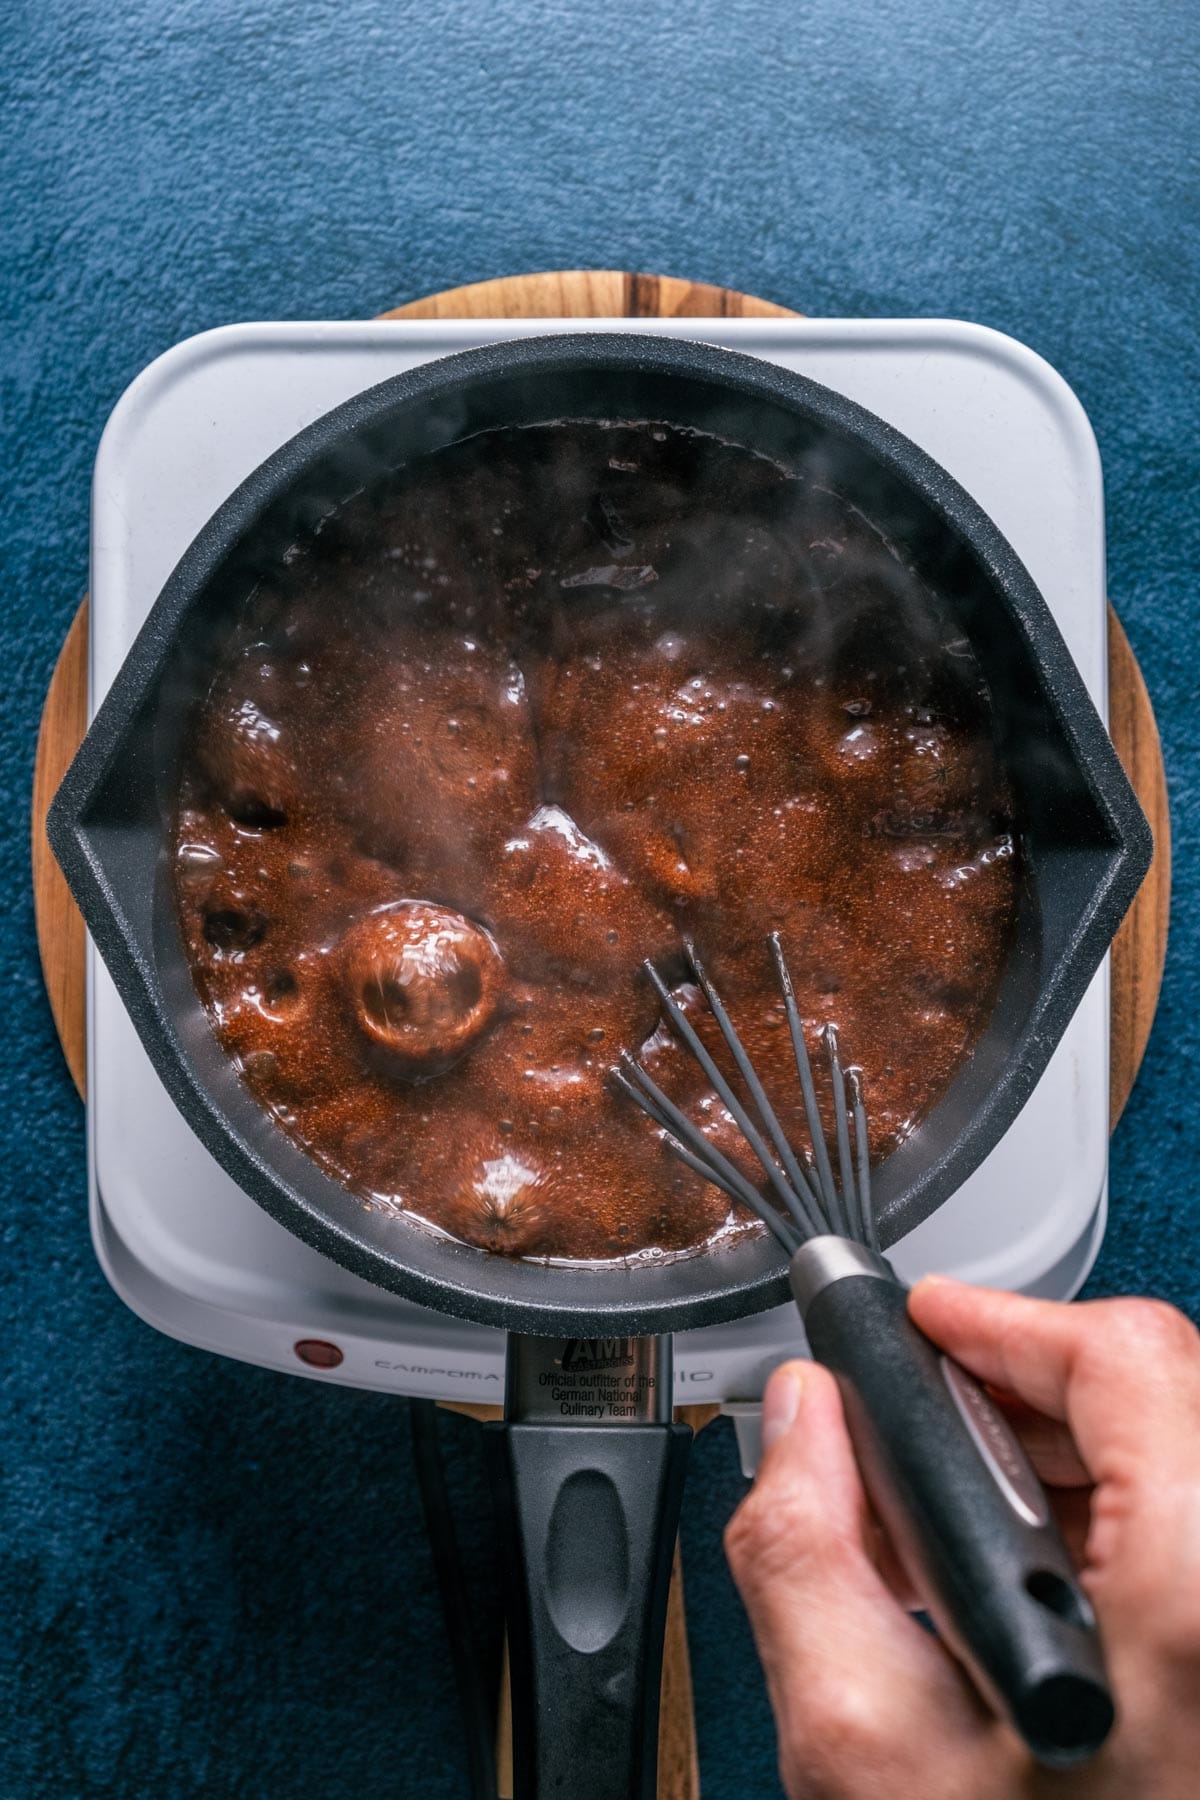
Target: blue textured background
(211,1581)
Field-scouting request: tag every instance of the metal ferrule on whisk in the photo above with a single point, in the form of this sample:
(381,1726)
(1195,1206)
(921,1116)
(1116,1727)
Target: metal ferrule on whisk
(823,1261)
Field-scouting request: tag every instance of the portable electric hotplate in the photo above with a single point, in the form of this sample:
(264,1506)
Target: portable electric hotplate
(178,1240)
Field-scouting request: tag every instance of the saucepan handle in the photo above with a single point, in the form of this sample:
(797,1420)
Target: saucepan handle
(587,1517)
(967,1514)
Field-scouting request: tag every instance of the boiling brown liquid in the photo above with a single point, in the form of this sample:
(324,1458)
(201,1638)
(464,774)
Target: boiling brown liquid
(545,707)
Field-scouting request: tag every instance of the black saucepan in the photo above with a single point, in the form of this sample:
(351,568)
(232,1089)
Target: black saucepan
(1085,848)
(1084,840)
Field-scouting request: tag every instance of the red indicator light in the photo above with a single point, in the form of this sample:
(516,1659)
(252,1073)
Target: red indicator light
(318,1354)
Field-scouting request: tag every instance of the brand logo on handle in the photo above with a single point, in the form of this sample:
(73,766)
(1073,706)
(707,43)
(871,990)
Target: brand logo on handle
(1002,1454)
(598,1353)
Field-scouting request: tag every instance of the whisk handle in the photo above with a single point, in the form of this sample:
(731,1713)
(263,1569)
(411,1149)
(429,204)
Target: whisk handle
(962,1504)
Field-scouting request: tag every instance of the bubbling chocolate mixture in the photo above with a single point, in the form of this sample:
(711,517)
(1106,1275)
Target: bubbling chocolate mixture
(545,705)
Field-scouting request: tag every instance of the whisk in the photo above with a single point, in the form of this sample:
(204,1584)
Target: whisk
(952,1485)
(813,1204)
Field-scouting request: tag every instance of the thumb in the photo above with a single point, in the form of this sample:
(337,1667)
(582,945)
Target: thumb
(850,1673)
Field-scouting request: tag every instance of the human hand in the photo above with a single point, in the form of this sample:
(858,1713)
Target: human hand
(1106,1396)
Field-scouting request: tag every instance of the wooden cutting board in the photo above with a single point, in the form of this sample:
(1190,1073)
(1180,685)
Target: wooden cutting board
(1138,952)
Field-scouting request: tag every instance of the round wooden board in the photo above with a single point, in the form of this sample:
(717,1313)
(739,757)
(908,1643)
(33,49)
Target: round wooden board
(1138,951)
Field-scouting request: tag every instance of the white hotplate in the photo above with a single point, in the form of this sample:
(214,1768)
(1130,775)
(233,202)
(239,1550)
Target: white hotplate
(177,1239)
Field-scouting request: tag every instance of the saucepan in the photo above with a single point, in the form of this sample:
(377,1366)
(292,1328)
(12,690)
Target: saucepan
(591,1508)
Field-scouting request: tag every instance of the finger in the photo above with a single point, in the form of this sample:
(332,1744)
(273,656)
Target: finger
(1070,1505)
(1123,1374)
(845,1664)
(1047,1442)
(1072,1509)
(892,1572)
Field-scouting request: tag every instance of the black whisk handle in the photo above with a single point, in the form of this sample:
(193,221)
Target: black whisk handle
(964,1508)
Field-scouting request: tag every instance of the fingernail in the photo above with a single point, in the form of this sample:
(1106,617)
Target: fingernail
(781,1403)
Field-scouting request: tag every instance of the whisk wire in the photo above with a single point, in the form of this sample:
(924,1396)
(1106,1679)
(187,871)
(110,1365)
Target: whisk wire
(808,1090)
(862,1161)
(681,1131)
(730,1101)
(848,1191)
(815,1203)
(766,1112)
(780,1228)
